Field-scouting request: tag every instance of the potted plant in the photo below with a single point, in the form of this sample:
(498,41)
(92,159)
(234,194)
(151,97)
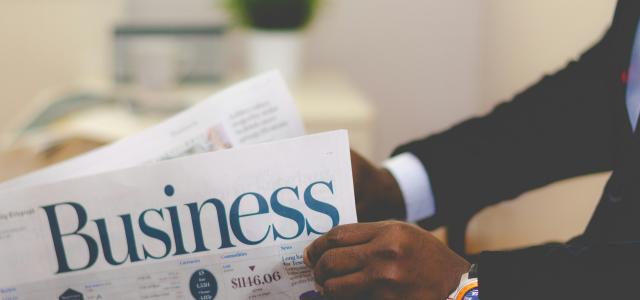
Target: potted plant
(275,38)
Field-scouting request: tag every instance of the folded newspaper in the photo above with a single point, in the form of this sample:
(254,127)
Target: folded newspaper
(257,110)
(230,224)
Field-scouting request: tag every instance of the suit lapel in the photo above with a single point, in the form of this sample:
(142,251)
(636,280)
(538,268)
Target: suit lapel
(614,209)
(622,36)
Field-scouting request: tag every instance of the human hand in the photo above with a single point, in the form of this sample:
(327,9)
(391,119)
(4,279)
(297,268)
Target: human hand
(384,260)
(378,196)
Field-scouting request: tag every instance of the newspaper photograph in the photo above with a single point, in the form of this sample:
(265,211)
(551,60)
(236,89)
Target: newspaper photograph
(255,111)
(229,224)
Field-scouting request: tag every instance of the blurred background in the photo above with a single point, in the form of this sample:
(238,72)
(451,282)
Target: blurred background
(390,71)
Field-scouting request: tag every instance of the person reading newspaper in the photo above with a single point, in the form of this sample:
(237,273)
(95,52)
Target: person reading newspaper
(581,120)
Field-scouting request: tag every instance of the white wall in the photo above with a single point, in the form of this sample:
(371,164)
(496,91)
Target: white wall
(524,39)
(174,11)
(51,43)
(417,60)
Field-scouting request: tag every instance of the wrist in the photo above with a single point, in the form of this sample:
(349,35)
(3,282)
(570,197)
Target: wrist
(391,194)
(414,186)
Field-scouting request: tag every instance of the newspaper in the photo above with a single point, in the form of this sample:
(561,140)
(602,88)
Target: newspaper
(257,110)
(225,225)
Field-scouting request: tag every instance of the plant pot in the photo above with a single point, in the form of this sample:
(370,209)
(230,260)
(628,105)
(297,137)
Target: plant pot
(281,50)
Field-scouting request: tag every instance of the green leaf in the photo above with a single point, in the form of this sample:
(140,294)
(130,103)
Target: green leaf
(273,14)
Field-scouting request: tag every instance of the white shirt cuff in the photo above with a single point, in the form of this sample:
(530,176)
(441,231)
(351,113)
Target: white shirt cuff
(413,179)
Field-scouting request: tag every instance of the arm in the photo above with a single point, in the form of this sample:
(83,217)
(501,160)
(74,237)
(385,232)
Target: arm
(559,128)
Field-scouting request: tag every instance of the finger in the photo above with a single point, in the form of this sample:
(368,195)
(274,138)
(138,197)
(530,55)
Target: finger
(341,236)
(340,261)
(351,286)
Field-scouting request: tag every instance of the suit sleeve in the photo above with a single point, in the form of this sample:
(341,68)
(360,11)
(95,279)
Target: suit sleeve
(606,271)
(559,128)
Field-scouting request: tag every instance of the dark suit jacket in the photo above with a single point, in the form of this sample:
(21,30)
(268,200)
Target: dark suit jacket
(572,123)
